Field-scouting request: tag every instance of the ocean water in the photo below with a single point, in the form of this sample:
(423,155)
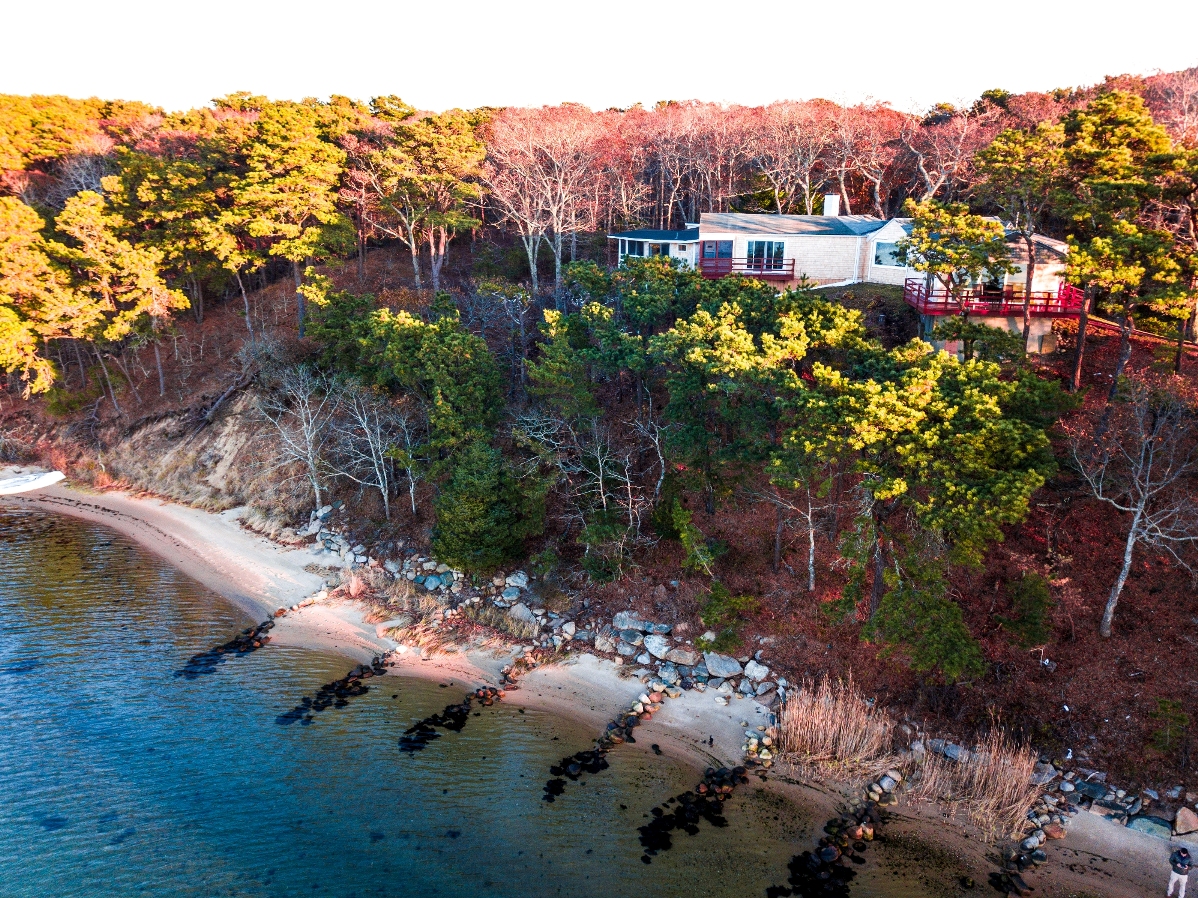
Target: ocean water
(119,777)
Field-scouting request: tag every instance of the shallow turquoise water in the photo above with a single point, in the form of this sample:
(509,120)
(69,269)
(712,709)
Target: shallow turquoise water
(119,778)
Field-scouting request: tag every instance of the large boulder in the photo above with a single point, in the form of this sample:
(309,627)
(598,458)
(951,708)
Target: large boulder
(522,613)
(627,620)
(721,665)
(518,580)
(756,671)
(684,657)
(658,646)
(1186,822)
(1153,826)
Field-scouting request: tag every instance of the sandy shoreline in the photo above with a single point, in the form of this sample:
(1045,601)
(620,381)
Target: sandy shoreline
(260,576)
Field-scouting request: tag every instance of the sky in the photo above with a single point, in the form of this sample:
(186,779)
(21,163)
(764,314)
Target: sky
(438,54)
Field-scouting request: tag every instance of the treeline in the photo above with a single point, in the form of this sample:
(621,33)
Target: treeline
(117,215)
(620,408)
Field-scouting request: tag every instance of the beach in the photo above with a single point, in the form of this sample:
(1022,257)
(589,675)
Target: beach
(260,576)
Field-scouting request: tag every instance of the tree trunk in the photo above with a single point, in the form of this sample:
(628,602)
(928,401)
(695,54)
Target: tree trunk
(779,524)
(79,360)
(1127,326)
(1108,614)
(557,271)
(197,299)
(412,490)
(361,255)
(877,587)
(1181,345)
(414,246)
(532,248)
(810,544)
(245,298)
(438,250)
(108,380)
(1076,383)
(1027,286)
(128,377)
(298,274)
(161,376)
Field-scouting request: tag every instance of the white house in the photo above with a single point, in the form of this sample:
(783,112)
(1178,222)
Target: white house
(835,250)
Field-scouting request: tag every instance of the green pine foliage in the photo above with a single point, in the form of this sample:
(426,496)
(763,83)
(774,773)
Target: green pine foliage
(485,512)
(700,555)
(1174,724)
(918,619)
(725,614)
(1029,622)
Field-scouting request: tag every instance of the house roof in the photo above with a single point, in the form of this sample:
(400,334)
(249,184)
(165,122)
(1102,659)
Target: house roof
(789,225)
(690,235)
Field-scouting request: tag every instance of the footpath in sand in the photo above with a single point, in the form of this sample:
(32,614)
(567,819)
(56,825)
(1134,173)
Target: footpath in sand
(259,576)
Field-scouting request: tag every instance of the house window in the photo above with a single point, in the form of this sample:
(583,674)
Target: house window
(717,249)
(886,254)
(659,249)
(634,247)
(766,255)
(681,247)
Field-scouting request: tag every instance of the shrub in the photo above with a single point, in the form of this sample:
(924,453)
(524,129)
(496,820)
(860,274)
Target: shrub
(1031,607)
(725,613)
(1173,722)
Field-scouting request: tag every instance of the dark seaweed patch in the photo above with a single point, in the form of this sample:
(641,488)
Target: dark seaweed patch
(684,812)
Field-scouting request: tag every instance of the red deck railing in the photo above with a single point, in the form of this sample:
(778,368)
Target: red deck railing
(758,268)
(1064,302)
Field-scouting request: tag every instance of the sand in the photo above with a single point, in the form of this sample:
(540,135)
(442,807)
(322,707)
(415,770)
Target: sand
(1097,858)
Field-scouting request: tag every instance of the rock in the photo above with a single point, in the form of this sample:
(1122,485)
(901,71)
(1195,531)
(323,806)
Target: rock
(443,569)
(644,658)
(763,688)
(519,580)
(709,636)
(1186,822)
(1067,786)
(721,665)
(569,628)
(1153,794)
(659,629)
(683,657)
(391,567)
(431,583)
(887,783)
(1153,826)
(1043,774)
(604,643)
(632,637)
(955,752)
(1091,790)
(1054,831)
(756,671)
(658,646)
(747,687)
(522,613)
(1031,843)
(1110,809)
(625,649)
(626,620)
(895,775)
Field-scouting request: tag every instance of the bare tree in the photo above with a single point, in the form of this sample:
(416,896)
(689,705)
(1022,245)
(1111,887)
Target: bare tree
(1141,465)
(301,404)
(363,441)
(790,148)
(541,171)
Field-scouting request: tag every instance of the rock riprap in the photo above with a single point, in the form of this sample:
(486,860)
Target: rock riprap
(685,812)
(248,640)
(452,718)
(333,695)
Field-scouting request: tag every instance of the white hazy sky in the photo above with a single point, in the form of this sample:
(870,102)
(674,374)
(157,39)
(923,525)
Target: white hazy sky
(438,54)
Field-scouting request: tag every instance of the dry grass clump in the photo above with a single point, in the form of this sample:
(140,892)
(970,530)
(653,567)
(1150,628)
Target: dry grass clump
(830,728)
(993,785)
(490,616)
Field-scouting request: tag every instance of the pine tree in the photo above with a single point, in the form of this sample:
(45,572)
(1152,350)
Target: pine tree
(484,512)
